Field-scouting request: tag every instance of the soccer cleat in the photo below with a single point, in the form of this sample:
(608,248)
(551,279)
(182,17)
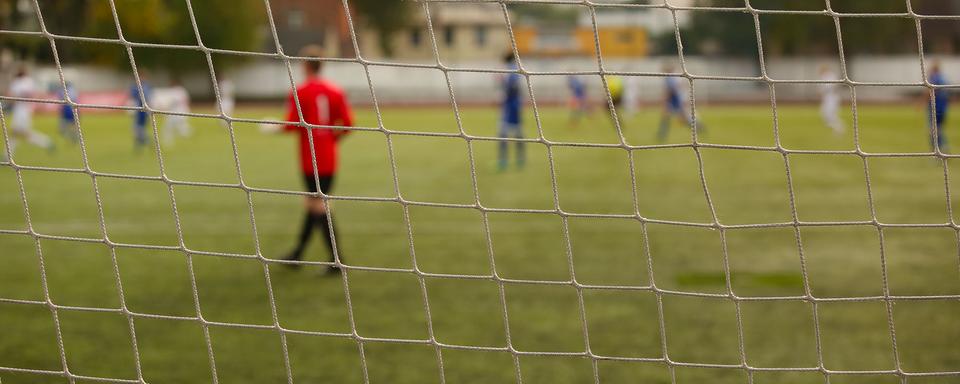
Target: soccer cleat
(292,256)
(332,270)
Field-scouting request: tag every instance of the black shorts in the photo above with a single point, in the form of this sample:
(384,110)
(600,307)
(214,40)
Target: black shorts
(326,183)
(617,100)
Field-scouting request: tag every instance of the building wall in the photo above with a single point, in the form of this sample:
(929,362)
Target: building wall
(303,22)
(464,46)
(620,41)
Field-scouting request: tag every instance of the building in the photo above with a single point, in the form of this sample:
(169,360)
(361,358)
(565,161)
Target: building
(303,22)
(463,32)
(620,32)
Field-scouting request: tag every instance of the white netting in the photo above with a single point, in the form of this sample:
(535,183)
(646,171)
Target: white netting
(695,144)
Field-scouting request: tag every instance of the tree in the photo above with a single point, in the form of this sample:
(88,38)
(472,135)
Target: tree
(734,33)
(222,24)
(386,17)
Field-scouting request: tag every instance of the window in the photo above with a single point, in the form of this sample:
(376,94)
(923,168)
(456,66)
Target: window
(415,37)
(626,37)
(448,35)
(295,19)
(480,34)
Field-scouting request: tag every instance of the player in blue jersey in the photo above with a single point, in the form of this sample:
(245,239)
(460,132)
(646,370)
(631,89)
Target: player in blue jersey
(674,106)
(511,108)
(937,108)
(68,119)
(579,106)
(140,116)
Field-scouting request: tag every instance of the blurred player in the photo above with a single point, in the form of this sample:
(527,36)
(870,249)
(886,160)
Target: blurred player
(674,106)
(322,103)
(615,85)
(21,115)
(140,116)
(937,108)
(631,97)
(579,105)
(830,101)
(227,98)
(178,100)
(68,119)
(511,106)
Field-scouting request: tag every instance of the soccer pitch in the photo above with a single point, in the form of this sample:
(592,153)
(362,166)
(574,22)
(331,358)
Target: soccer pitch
(615,256)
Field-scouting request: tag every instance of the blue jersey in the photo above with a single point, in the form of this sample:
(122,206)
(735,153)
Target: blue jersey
(941,96)
(135,94)
(577,87)
(66,111)
(511,97)
(673,94)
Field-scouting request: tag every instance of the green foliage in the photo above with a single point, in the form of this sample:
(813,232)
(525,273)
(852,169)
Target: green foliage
(222,24)
(734,33)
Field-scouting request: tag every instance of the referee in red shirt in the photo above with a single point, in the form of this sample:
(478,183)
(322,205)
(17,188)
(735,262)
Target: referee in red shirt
(321,103)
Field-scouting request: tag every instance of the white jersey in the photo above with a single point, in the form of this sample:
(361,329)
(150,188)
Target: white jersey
(20,121)
(226,90)
(830,103)
(181,99)
(631,95)
(22,87)
(174,99)
(227,100)
(828,91)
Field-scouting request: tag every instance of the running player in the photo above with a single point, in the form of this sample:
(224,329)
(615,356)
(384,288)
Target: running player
(177,100)
(830,101)
(21,118)
(579,106)
(511,109)
(674,106)
(140,116)
(68,119)
(227,98)
(615,85)
(937,108)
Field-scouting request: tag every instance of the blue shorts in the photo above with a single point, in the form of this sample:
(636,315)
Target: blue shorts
(939,115)
(140,118)
(674,108)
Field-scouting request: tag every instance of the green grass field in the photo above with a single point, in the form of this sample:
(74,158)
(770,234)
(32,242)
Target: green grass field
(745,186)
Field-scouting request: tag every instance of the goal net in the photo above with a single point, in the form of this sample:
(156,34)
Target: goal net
(662,191)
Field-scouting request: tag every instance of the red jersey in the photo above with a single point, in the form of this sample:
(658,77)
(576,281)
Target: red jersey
(322,103)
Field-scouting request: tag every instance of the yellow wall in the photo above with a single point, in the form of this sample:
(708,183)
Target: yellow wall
(614,42)
(525,38)
(623,41)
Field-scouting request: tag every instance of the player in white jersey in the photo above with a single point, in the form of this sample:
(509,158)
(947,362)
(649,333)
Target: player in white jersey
(20,119)
(631,97)
(830,101)
(227,99)
(177,99)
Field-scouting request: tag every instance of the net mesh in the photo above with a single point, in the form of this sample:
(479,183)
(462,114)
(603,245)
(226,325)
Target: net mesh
(696,145)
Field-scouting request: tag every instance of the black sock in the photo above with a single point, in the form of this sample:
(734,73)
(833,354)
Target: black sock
(321,221)
(309,219)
